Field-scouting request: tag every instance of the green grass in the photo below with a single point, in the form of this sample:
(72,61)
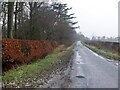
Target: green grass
(107,54)
(32,71)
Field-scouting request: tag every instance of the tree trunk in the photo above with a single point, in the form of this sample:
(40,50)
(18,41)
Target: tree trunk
(15,25)
(4,21)
(10,19)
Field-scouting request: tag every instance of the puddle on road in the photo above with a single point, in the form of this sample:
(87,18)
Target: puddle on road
(80,76)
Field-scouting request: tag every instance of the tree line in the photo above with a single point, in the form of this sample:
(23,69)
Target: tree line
(37,21)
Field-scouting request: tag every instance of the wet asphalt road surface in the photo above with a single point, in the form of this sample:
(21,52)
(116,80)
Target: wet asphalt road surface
(86,69)
(89,70)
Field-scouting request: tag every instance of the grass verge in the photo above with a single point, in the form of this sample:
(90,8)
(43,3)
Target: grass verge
(104,53)
(30,73)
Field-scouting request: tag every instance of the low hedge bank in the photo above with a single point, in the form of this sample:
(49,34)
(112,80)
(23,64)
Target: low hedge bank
(27,76)
(16,52)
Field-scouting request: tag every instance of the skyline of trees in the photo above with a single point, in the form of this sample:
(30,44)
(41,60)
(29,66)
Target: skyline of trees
(37,21)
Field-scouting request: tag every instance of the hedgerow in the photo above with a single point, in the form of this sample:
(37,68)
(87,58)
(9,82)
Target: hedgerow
(16,52)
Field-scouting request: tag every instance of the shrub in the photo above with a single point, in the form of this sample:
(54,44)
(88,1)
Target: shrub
(16,52)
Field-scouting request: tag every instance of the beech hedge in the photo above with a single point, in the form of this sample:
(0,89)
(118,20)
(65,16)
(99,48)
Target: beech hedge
(16,52)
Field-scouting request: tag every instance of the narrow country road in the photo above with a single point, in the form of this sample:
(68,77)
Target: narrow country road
(86,69)
(89,70)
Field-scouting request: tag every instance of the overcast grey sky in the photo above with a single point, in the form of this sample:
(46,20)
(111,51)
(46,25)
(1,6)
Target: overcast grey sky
(96,17)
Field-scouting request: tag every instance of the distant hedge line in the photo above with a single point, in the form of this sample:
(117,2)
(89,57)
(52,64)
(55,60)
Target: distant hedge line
(16,52)
(110,46)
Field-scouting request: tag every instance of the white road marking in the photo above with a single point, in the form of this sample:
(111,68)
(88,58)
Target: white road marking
(113,61)
(102,57)
(109,60)
(96,54)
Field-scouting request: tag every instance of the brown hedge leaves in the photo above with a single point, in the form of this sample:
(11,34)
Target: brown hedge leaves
(16,52)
